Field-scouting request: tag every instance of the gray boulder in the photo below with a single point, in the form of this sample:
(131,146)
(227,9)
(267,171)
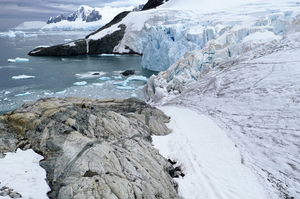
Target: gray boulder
(93,148)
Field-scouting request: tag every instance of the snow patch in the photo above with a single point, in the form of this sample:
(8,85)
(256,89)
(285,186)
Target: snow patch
(21,171)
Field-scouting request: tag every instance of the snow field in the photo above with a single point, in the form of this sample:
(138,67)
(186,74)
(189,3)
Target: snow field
(21,171)
(211,162)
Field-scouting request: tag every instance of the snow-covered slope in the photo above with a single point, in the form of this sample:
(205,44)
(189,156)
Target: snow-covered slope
(27,25)
(82,18)
(247,80)
(164,34)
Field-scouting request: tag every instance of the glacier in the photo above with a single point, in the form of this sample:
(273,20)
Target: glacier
(245,78)
(163,35)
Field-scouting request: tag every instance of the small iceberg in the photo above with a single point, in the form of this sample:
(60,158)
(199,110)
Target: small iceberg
(61,92)
(123,83)
(23,77)
(18,59)
(46,93)
(97,84)
(104,78)
(124,88)
(6,92)
(137,78)
(118,77)
(23,94)
(107,55)
(80,83)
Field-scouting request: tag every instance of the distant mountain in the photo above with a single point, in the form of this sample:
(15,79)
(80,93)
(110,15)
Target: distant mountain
(138,8)
(27,25)
(85,18)
(56,19)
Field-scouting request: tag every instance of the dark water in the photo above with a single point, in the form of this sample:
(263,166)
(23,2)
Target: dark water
(55,76)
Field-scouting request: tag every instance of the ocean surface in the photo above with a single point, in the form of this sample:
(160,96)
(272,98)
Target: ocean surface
(38,77)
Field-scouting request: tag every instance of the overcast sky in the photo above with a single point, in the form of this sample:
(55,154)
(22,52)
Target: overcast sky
(14,12)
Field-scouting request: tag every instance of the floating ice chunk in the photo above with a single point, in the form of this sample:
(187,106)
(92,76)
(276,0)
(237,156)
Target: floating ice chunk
(104,78)
(123,83)
(18,59)
(97,84)
(23,77)
(11,61)
(133,94)
(118,77)
(90,74)
(80,83)
(22,173)
(107,55)
(61,92)
(67,40)
(23,94)
(124,88)
(6,92)
(46,93)
(42,46)
(137,78)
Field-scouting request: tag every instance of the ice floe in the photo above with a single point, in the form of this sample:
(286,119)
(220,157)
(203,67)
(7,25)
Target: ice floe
(23,94)
(61,92)
(104,78)
(18,59)
(97,84)
(125,88)
(23,77)
(137,78)
(80,83)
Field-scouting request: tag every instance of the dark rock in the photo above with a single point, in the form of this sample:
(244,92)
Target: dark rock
(15,195)
(115,20)
(153,4)
(56,19)
(96,73)
(93,16)
(90,173)
(138,8)
(77,47)
(4,193)
(128,72)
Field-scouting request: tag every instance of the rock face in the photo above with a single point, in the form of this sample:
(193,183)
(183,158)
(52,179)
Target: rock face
(56,19)
(78,47)
(93,148)
(153,4)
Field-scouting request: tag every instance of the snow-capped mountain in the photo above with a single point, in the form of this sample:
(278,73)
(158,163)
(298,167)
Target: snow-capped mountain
(56,19)
(27,25)
(85,18)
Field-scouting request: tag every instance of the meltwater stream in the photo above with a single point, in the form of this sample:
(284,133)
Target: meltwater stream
(87,76)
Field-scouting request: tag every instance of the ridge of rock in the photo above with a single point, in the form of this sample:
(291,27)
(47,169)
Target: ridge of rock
(93,148)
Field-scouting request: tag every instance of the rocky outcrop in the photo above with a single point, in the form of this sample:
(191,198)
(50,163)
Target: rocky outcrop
(93,16)
(93,148)
(78,47)
(153,4)
(56,19)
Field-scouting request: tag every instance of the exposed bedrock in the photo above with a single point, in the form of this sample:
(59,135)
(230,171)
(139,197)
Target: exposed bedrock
(93,148)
